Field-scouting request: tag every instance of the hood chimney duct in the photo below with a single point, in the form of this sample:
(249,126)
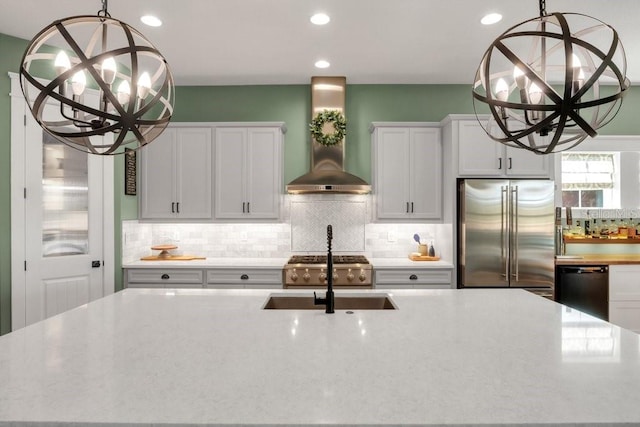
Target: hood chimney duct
(327,173)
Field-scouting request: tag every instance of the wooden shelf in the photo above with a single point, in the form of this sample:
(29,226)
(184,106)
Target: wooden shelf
(602,241)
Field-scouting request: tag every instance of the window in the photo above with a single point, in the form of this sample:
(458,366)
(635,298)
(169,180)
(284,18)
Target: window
(590,180)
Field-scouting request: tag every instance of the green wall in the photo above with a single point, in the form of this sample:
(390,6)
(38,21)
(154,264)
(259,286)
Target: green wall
(286,103)
(11,50)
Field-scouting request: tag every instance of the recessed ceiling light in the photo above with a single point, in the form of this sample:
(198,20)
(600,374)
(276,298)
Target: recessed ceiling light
(322,64)
(320,19)
(151,20)
(491,18)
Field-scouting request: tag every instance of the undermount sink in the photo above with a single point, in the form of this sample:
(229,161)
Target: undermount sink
(342,302)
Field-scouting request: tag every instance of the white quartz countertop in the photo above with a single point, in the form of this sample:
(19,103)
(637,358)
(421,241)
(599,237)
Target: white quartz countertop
(239,262)
(230,262)
(210,357)
(408,263)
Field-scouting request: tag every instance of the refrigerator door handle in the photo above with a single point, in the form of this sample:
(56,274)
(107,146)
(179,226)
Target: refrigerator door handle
(504,227)
(514,231)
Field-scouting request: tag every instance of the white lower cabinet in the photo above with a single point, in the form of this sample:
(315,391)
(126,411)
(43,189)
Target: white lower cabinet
(624,296)
(164,278)
(247,278)
(416,278)
(208,278)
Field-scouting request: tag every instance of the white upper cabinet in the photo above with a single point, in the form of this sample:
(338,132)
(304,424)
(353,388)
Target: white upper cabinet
(248,172)
(175,175)
(407,175)
(480,156)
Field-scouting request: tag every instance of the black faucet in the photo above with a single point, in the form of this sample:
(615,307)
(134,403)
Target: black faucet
(328,300)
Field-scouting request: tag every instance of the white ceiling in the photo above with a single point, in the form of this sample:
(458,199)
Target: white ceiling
(228,42)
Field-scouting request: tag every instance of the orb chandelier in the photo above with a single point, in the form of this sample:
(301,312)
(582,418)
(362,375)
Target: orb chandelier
(551,81)
(103,78)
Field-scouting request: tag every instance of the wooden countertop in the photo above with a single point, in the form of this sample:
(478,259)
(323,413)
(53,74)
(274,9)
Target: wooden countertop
(603,241)
(608,259)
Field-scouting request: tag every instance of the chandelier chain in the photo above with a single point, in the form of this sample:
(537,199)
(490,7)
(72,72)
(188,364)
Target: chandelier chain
(103,12)
(543,8)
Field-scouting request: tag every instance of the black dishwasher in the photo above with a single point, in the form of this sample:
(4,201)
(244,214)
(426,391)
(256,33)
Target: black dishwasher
(585,288)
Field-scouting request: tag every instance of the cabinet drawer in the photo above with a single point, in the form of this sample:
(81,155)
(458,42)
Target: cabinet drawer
(412,277)
(623,284)
(162,276)
(246,277)
(165,285)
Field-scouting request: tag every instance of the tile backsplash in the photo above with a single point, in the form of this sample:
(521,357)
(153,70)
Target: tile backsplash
(302,230)
(309,220)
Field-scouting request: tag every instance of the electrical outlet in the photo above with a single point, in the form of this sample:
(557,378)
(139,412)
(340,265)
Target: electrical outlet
(391,236)
(243,236)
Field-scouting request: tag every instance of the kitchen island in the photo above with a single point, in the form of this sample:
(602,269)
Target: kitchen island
(210,357)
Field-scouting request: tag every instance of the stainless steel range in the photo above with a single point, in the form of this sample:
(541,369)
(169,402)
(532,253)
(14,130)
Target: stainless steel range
(310,271)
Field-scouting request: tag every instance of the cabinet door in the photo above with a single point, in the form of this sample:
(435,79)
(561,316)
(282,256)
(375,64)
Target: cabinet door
(392,172)
(524,163)
(426,173)
(157,177)
(263,182)
(230,200)
(193,177)
(625,314)
(478,155)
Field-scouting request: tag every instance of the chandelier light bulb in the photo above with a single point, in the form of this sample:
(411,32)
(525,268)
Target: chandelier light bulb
(575,61)
(502,90)
(62,63)
(144,84)
(124,92)
(535,94)
(78,83)
(109,70)
(519,77)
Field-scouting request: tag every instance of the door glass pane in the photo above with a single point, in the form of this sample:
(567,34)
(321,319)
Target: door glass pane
(65,199)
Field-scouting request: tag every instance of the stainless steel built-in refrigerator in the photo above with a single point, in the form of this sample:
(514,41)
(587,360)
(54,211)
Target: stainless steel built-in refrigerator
(506,234)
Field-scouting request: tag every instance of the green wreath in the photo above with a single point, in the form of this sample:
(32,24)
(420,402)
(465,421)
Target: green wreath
(339,124)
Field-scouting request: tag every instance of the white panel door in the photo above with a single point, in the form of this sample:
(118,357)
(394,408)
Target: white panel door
(64,225)
(157,177)
(263,170)
(230,198)
(525,163)
(478,155)
(426,174)
(193,177)
(392,175)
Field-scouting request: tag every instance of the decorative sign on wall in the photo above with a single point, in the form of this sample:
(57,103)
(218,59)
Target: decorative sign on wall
(130,172)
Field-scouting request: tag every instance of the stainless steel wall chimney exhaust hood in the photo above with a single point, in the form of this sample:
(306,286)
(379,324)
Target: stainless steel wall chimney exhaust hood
(327,173)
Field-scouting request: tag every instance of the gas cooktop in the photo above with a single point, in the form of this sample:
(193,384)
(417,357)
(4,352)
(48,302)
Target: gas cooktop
(322,259)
